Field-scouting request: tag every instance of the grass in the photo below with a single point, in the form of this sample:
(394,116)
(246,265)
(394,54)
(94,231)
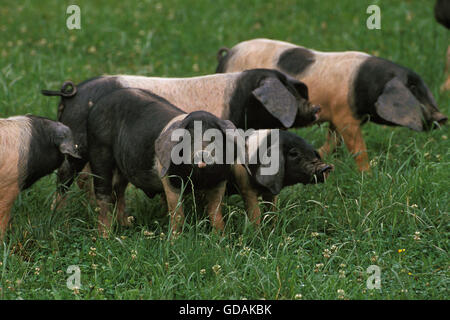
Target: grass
(321,240)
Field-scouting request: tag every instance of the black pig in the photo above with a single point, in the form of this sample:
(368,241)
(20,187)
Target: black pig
(130,140)
(297,160)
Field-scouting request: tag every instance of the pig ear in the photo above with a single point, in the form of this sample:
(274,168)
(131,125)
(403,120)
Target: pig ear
(63,139)
(67,147)
(277,100)
(272,182)
(226,125)
(398,105)
(231,138)
(164,146)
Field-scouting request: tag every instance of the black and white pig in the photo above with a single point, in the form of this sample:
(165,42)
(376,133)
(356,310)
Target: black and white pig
(129,133)
(251,99)
(292,159)
(442,15)
(350,87)
(30,147)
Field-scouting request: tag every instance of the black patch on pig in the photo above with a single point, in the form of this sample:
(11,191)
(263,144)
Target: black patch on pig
(295,61)
(442,12)
(370,82)
(43,155)
(212,174)
(75,109)
(73,112)
(298,167)
(122,129)
(246,111)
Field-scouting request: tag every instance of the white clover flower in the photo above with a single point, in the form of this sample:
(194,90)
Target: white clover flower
(216,268)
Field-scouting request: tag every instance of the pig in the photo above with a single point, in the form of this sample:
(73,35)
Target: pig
(442,12)
(252,99)
(130,137)
(297,160)
(351,88)
(442,15)
(31,147)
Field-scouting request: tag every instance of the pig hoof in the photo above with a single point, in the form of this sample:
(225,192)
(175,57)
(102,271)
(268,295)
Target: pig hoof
(103,232)
(127,221)
(58,203)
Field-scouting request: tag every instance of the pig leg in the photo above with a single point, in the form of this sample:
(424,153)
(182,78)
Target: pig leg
(65,176)
(333,140)
(271,201)
(102,169)
(249,194)
(105,208)
(120,185)
(354,141)
(85,182)
(175,208)
(8,195)
(214,205)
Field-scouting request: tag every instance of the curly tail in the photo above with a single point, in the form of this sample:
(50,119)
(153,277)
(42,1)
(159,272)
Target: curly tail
(68,90)
(220,53)
(223,55)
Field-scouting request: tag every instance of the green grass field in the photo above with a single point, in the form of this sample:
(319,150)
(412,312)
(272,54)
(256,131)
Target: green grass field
(320,242)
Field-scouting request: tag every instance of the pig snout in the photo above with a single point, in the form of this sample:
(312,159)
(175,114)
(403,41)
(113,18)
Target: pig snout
(310,111)
(435,120)
(322,172)
(202,157)
(307,114)
(440,118)
(316,110)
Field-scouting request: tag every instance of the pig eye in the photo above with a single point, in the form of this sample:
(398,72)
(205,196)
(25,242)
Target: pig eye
(294,153)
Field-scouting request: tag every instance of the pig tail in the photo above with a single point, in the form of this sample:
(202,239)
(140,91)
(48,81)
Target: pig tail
(221,52)
(68,90)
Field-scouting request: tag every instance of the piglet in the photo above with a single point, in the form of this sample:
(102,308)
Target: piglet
(276,159)
(134,137)
(351,88)
(30,147)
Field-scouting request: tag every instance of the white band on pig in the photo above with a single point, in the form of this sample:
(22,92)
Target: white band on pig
(177,118)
